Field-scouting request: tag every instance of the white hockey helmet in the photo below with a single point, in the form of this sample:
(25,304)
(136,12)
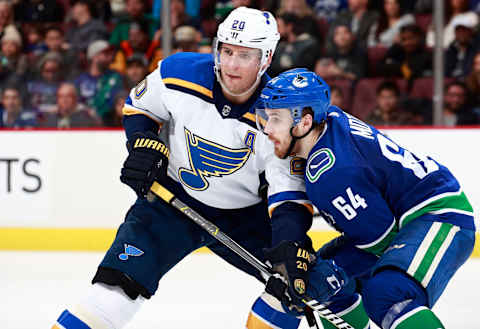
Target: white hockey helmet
(251,28)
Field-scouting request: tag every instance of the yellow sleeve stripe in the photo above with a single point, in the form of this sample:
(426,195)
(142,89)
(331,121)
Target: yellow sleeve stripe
(132,111)
(306,205)
(254,321)
(189,85)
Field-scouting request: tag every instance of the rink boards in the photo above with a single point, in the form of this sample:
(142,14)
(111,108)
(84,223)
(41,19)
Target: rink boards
(59,190)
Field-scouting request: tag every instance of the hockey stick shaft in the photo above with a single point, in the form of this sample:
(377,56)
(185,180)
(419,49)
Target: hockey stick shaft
(214,231)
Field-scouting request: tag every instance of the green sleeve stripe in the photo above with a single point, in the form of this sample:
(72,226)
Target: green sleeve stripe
(446,202)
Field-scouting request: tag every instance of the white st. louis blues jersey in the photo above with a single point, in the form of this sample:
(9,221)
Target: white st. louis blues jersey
(216,151)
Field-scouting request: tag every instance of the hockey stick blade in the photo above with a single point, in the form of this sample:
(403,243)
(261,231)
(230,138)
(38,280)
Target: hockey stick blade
(213,230)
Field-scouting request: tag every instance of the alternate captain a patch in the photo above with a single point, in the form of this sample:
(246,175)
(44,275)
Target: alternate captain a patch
(210,159)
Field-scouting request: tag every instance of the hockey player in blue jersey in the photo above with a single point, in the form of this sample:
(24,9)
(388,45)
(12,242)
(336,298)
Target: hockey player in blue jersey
(406,225)
(215,163)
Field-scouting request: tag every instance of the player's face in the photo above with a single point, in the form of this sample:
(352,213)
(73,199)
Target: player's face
(277,127)
(239,67)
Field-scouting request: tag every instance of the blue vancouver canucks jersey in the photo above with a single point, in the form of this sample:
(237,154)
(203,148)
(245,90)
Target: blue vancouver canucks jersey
(368,187)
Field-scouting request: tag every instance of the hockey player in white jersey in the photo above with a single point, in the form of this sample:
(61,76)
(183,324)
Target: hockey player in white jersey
(216,164)
(406,224)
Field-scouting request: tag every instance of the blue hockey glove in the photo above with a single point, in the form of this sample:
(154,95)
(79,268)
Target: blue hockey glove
(147,161)
(292,262)
(326,279)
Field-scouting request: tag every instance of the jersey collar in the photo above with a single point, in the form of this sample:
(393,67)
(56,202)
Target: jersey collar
(227,109)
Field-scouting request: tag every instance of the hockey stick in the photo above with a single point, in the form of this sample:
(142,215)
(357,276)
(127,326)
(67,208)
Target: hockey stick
(214,231)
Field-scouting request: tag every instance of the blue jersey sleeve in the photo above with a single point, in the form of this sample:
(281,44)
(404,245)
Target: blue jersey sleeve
(355,206)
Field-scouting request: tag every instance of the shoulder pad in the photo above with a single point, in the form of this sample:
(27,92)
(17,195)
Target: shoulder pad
(189,72)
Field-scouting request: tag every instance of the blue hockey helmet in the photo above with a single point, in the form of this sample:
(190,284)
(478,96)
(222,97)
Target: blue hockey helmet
(294,90)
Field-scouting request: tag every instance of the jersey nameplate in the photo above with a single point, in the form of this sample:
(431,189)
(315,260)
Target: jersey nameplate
(359,128)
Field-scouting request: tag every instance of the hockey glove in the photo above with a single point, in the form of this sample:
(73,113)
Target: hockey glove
(147,161)
(292,264)
(326,279)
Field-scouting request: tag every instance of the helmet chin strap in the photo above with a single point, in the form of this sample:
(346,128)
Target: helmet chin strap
(294,141)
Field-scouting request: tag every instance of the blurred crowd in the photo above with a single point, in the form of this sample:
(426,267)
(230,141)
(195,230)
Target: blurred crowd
(71,63)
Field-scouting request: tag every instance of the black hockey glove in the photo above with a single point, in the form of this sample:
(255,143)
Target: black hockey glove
(292,262)
(147,161)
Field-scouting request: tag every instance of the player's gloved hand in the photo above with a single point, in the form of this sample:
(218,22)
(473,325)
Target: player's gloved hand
(326,279)
(147,161)
(292,263)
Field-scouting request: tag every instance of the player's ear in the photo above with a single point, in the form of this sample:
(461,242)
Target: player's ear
(306,123)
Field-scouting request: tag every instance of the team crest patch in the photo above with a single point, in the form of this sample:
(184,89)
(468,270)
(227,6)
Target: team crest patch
(211,159)
(130,251)
(299,286)
(318,163)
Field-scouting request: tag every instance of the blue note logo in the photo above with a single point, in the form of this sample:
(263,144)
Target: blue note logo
(130,251)
(211,159)
(318,163)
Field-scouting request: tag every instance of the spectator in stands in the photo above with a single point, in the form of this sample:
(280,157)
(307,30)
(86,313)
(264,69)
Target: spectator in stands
(336,97)
(408,59)
(386,30)
(296,49)
(185,38)
(457,106)
(300,8)
(69,113)
(35,46)
(135,10)
(137,44)
(358,18)
(460,53)
(39,11)
(6,15)
(118,8)
(13,64)
(345,60)
(12,112)
(328,9)
(55,42)
(473,80)
(453,8)
(98,85)
(178,17)
(86,28)
(387,111)
(42,90)
(135,71)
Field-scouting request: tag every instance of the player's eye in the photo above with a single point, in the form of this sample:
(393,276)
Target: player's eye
(227,52)
(245,56)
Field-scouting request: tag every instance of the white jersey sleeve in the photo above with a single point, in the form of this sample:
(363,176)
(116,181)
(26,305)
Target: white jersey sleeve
(286,181)
(147,98)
